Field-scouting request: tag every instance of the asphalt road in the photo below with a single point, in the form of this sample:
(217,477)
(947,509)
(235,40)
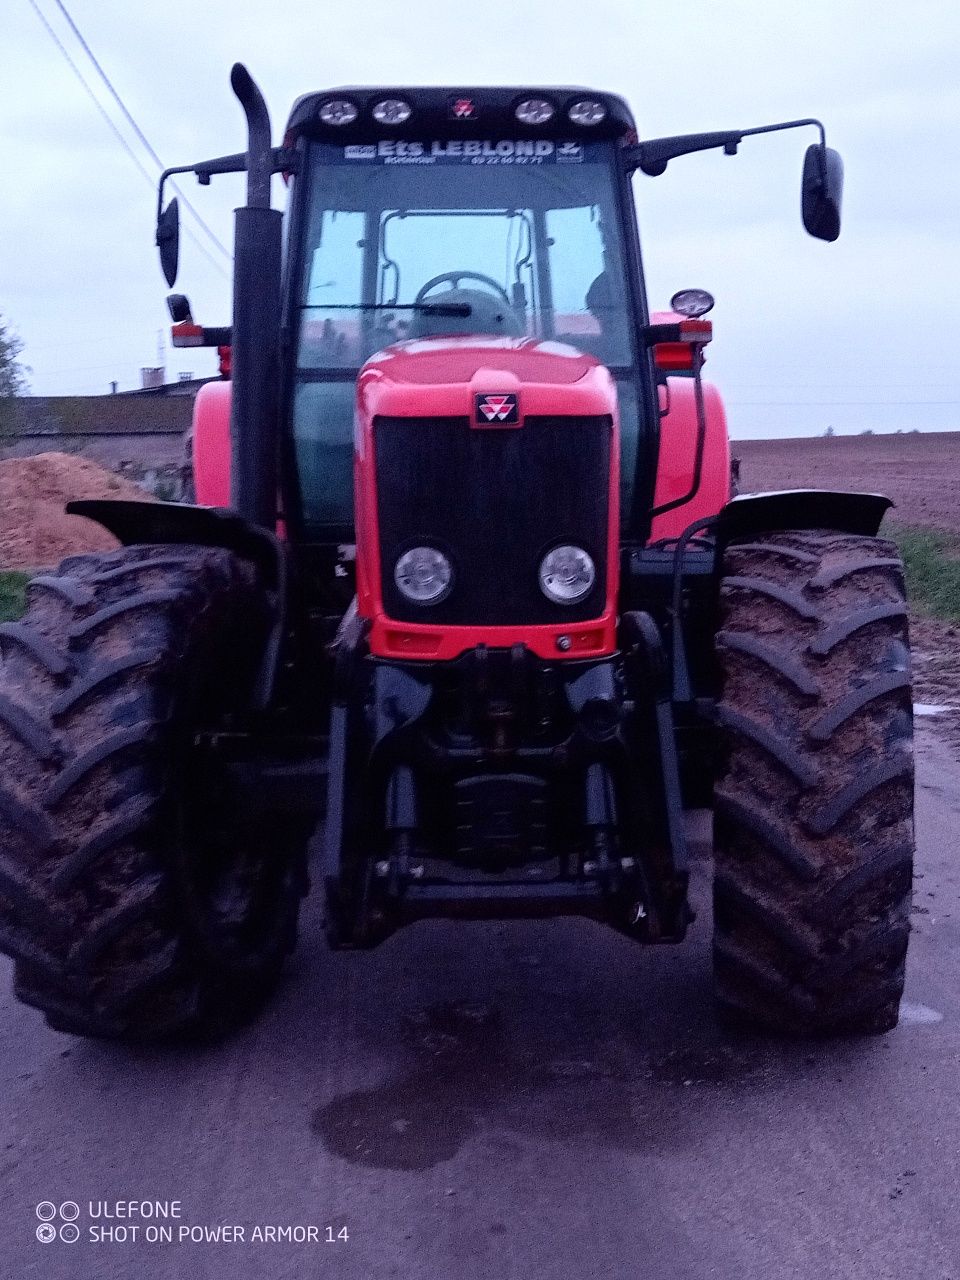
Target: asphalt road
(530,1100)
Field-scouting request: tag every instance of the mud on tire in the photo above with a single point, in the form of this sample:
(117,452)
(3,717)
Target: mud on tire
(814,798)
(128,913)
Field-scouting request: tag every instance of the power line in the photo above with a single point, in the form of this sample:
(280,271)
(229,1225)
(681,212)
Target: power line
(846,384)
(85,368)
(92,96)
(133,124)
(113,127)
(102,340)
(829,404)
(106,80)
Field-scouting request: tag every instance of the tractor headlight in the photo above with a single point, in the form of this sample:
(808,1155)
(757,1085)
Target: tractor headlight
(692,303)
(567,574)
(423,575)
(392,111)
(587,111)
(534,111)
(338,111)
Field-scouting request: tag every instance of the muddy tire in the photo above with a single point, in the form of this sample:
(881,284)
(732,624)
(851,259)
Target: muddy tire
(814,796)
(129,906)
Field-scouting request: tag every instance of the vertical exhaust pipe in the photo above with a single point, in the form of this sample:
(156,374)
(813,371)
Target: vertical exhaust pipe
(254,418)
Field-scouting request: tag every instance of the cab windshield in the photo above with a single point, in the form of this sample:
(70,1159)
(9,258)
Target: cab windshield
(410,240)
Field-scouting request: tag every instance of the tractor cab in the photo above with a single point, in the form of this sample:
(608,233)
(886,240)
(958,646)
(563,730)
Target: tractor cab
(495,216)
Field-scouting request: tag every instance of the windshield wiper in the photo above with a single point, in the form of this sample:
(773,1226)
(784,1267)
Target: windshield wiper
(431,308)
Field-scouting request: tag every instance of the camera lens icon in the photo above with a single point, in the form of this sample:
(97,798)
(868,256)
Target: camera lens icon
(46,1233)
(69,1233)
(46,1210)
(69,1211)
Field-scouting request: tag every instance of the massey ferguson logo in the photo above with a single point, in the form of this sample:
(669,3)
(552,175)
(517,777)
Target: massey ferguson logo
(463,109)
(498,410)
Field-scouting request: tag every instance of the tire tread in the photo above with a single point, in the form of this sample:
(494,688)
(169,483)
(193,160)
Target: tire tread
(814,804)
(98,681)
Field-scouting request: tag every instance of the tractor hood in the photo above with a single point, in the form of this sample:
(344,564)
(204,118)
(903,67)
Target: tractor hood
(496,382)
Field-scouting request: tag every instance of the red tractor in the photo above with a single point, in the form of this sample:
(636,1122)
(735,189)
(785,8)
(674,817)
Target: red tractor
(467,596)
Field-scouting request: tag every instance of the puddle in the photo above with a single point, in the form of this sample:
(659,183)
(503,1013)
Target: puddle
(468,1075)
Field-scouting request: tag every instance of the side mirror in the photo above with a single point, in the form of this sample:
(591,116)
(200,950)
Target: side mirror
(168,241)
(822,191)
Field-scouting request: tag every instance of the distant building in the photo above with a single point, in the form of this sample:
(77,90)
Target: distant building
(185,385)
(138,434)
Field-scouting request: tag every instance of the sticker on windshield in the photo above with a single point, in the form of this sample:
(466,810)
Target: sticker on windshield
(474,151)
(569,153)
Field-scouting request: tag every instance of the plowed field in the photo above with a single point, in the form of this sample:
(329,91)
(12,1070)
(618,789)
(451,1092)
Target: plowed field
(919,471)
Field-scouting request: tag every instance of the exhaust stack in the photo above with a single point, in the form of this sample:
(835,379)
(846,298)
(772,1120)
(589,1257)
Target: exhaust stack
(254,421)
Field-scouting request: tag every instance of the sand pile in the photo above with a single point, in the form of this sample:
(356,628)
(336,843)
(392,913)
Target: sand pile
(35,532)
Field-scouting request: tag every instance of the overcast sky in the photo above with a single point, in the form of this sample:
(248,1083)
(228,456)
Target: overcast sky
(807,335)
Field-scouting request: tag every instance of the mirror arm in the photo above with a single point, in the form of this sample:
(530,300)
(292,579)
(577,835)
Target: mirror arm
(653,156)
(790,124)
(284,160)
(163,178)
(799,124)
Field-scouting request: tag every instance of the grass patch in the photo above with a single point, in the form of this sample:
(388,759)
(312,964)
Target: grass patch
(932,564)
(13,595)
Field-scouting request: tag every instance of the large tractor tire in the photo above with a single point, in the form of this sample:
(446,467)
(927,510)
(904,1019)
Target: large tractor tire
(814,796)
(131,906)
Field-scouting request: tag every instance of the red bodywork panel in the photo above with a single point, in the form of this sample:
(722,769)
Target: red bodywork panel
(678,446)
(442,378)
(211,445)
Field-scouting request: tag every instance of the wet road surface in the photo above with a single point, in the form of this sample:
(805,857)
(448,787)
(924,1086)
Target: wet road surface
(520,1100)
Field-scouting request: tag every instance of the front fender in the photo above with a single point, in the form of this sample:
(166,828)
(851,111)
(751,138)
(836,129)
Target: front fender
(156,523)
(753,513)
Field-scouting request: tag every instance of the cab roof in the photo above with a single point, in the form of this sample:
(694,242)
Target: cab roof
(460,112)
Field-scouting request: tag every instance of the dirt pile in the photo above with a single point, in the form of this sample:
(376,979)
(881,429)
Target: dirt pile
(35,532)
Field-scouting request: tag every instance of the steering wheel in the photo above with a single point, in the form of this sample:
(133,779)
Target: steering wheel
(456,276)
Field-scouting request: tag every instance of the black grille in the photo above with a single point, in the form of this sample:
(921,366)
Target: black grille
(494,501)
